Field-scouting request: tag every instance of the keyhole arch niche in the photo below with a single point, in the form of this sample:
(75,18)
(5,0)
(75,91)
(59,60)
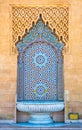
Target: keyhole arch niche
(40,66)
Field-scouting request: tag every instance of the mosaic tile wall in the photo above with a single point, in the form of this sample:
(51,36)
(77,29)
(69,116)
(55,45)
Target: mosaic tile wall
(40,62)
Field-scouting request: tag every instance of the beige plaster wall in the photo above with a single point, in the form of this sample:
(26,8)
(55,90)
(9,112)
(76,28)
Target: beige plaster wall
(72,60)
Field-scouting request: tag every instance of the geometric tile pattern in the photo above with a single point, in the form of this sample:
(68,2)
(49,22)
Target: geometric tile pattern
(40,63)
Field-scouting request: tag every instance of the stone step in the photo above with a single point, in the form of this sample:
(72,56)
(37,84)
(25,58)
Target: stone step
(40,128)
(11,126)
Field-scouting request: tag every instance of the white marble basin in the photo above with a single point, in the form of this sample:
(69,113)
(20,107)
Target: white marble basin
(40,111)
(40,106)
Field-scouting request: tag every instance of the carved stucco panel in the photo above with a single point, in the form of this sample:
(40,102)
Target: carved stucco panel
(22,18)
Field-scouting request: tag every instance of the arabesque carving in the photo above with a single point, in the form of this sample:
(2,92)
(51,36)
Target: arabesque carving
(22,18)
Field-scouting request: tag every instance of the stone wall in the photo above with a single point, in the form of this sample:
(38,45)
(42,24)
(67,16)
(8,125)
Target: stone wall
(72,59)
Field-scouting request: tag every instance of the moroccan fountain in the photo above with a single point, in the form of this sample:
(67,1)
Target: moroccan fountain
(40,89)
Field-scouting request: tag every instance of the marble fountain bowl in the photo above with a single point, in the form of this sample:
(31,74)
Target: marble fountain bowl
(40,110)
